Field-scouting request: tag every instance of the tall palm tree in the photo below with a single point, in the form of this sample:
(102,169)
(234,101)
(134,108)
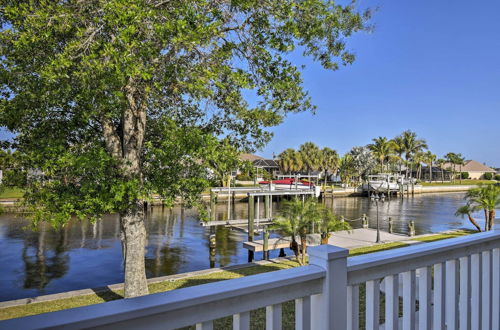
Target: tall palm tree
(441,162)
(297,162)
(460,161)
(412,145)
(311,156)
(399,149)
(329,162)
(382,149)
(347,168)
(451,158)
(286,161)
(429,160)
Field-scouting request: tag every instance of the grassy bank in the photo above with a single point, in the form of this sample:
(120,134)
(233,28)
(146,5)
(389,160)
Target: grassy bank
(11,192)
(257,316)
(458,183)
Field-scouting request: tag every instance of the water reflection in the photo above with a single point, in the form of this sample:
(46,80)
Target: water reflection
(83,255)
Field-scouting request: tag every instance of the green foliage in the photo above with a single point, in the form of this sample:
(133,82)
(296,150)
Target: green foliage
(464,175)
(113,100)
(488,176)
(497,177)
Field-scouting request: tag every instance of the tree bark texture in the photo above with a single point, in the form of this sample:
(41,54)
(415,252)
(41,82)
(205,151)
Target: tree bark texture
(473,221)
(125,145)
(133,233)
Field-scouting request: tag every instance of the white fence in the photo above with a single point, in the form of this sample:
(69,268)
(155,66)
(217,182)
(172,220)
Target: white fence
(455,283)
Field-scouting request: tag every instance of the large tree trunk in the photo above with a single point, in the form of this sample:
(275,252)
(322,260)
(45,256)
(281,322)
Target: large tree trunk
(125,145)
(133,232)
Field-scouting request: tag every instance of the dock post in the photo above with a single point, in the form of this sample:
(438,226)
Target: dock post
(212,205)
(411,228)
(390,225)
(267,202)
(365,221)
(266,244)
(251,217)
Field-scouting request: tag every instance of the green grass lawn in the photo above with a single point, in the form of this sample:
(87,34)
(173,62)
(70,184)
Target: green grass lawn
(11,192)
(438,237)
(257,316)
(457,183)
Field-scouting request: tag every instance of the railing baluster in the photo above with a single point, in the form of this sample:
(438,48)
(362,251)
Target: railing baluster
(391,301)
(409,300)
(273,317)
(486,290)
(439,302)
(353,307)
(424,298)
(241,321)
(495,289)
(372,304)
(209,325)
(451,295)
(464,299)
(475,267)
(303,313)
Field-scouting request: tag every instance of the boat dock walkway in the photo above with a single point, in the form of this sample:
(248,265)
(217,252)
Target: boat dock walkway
(347,239)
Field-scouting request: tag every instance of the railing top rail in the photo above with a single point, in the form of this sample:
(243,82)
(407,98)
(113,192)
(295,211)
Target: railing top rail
(379,264)
(186,306)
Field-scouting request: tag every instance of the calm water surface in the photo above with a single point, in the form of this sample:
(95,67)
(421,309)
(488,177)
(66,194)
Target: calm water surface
(84,255)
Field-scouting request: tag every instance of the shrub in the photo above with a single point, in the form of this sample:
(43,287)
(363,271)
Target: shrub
(465,175)
(244,177)
(488,176)
(497,177)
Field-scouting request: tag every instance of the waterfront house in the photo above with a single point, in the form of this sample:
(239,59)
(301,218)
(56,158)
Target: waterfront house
(475,169)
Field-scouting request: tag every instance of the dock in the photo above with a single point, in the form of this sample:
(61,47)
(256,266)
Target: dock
(346,239)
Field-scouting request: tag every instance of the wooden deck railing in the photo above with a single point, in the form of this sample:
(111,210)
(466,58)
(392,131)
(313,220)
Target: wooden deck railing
(458,284)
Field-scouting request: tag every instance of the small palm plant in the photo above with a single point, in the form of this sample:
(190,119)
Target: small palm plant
(330,223)
(298,219)
(484,197)
(467,210)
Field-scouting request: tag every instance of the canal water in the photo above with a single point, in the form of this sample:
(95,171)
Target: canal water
(85,255)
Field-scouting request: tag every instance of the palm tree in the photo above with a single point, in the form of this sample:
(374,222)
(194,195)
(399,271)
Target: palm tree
(286,161)
(297,162)
(467,210)
(330,223)
(412,145)
(297,219)
(399,149)
(460,161)
(451,158)
(440,162)
(382,148)
(429,159)
(347,168)
(329,162)
(486,198)
(311,156)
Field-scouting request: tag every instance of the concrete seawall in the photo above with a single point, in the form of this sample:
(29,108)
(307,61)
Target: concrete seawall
(418,189)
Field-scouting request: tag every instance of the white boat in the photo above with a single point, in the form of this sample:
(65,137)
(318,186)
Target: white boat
(292,184)
(383,182)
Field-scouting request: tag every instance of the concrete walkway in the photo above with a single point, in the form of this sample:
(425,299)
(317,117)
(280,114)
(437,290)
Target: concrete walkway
(365,237)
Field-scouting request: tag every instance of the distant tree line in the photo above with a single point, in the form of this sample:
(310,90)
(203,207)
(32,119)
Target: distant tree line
(405,154)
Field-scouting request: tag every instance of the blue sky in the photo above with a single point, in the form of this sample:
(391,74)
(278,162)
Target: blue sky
(431,66)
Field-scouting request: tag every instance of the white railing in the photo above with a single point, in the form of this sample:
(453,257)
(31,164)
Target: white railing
(461,274)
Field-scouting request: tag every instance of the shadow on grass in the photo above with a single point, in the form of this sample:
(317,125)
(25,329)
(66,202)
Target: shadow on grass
(107,294)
